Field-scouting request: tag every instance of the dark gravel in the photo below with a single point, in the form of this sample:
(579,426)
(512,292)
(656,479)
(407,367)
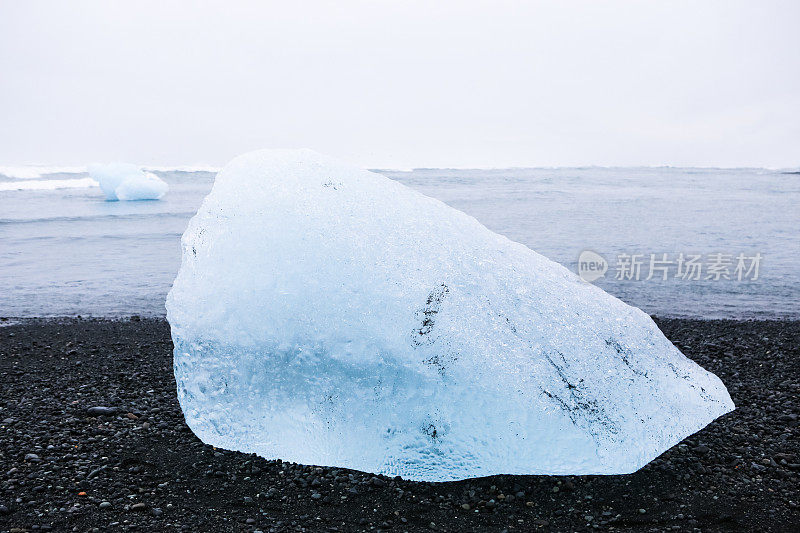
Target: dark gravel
(92,439)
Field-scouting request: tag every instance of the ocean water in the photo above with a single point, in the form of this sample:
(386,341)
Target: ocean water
(66,251)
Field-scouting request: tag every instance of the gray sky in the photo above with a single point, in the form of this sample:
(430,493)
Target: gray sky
(403,84)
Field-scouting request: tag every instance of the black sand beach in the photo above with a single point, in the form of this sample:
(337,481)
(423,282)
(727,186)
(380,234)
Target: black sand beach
(66,465)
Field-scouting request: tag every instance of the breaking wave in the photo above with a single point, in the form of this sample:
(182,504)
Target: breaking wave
(47,185)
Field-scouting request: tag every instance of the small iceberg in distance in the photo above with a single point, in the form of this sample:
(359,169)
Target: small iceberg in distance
(124,181)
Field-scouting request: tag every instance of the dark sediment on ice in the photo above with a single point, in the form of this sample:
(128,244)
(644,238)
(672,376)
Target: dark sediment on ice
(91,436)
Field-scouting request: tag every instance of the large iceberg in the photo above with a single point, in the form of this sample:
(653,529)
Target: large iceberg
(328,315)
(123,181)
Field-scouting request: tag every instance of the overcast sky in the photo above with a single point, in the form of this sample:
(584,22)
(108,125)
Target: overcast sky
(403,84)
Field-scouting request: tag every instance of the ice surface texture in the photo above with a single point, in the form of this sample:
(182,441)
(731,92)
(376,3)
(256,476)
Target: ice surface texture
(123,181)
(328,315)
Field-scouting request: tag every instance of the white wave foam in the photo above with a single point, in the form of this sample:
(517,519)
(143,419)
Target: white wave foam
(398,169)
(28,172)
(47,185)
(184,168)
